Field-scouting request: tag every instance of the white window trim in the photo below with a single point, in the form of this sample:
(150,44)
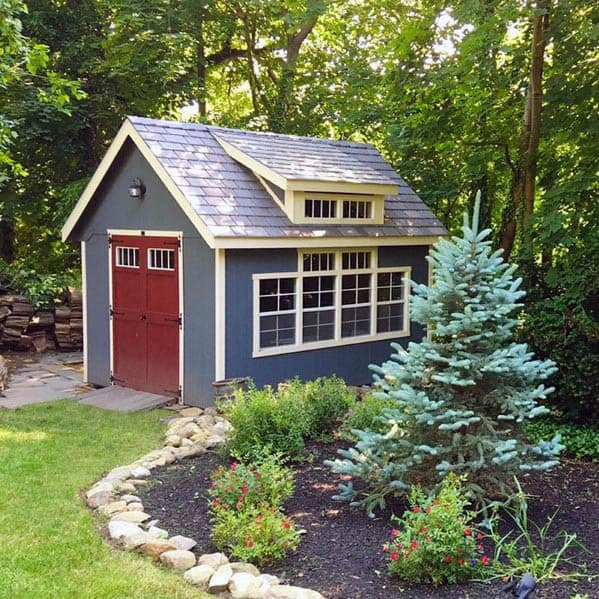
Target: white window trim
(338,341)
(126,247)
(159,268)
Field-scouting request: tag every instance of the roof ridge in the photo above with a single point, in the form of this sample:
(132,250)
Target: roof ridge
(341,142)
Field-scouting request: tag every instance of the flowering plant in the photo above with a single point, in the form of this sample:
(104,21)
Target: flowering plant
(433,541)
(264,481)
(255,535)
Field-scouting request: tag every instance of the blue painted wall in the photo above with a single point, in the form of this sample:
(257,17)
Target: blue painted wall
(111,208)
(348,361)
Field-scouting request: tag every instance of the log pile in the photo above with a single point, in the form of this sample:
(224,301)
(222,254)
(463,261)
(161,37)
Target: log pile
(24,328)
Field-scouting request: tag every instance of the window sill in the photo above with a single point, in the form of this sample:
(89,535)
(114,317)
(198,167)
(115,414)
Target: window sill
(293,349)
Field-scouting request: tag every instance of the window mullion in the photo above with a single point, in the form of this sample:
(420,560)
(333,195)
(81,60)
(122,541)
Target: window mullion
(373,301)
(338,304)
(299,307)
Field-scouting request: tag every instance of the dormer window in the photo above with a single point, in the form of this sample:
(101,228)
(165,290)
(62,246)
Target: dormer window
(314,208)
(357,208)
(337,208)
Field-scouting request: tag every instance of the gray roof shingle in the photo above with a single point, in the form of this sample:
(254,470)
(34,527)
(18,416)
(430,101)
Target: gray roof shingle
(231,201)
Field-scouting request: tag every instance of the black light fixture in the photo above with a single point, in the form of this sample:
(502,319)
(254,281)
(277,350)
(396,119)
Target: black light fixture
(137,189)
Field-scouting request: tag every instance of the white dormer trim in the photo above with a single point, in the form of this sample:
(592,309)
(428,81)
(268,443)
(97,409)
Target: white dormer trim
(304,184)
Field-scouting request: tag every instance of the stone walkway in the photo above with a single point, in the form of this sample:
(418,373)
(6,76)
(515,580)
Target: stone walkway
(35,378)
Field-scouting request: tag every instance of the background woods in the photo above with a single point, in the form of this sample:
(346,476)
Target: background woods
(492,95)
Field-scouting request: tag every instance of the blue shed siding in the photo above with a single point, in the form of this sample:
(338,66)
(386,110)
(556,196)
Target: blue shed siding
(348,361)
(158,211)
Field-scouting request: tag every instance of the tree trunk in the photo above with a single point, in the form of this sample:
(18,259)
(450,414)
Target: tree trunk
(524,173)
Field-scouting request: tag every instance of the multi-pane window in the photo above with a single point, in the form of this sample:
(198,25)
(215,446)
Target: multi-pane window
(318,261)
(320,208)
(336,297)
(355,260)
(127,257)
(390,301)
(277,312)
(318,304)
(355,302)
(357,208)
(159,259)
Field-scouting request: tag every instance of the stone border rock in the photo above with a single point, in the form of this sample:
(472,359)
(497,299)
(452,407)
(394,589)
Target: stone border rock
(188,434)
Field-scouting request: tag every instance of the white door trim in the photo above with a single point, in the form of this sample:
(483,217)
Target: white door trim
(151,233)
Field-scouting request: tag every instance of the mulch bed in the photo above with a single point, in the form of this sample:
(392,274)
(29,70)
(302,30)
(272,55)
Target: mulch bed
(340,555)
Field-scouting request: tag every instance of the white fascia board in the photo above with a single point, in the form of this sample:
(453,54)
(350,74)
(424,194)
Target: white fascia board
(127,131)
(322,242)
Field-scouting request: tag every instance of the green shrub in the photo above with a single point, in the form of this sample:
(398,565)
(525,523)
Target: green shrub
(262,418)
(366,415)
(41,289)
(255,535)
(245,504)
(433,541)
(265,481)
(325,400)
(582,441)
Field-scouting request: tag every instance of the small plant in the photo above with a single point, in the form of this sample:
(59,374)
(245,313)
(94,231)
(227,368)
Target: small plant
(255,535)
(262,418)
(366,414)
(525,547)
(265,481)
(434,541)
(246,503)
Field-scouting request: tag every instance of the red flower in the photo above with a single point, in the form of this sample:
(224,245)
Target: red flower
(394,533)
(424,530)
(428,510)
(447,559)
(416,509)
(461,561)
(239,505)
(480,536)
(467,532)
(394,556)
(258,475)
(250,544)
(244,489)
(259,517)
(216,501)
(414,544)
(435,503)
(480,547)
(285,524)
(485,560)
(234,465)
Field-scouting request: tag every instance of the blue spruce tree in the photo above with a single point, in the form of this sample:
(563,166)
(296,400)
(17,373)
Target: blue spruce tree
(461,394)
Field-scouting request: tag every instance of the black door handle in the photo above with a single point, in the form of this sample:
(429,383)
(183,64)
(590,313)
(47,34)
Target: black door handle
(143,317)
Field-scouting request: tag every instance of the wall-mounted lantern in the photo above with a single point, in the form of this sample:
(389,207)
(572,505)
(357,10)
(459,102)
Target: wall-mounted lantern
(137,189)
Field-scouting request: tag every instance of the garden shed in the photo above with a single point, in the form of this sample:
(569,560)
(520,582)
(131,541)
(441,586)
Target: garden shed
(212,253)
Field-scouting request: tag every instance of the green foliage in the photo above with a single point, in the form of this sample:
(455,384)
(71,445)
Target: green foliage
(246,509)
(263,418)
(579,440)
(526,546)
(41,289)
(366,414)
(264,481)
(461,396)
(255,535)
(325,401)
(434,541)
(281,420)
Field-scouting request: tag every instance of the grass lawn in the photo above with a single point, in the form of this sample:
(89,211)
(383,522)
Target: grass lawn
(50,546)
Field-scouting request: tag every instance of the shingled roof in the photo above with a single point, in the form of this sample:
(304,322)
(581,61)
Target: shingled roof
(231,202)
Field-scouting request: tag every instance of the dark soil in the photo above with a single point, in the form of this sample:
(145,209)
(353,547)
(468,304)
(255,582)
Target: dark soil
(340,554)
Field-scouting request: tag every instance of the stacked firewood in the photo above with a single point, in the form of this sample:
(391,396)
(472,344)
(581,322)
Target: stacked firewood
(24,328)
(69,322)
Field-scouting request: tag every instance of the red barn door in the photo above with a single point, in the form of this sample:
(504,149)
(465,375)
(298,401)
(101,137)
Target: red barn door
(145,313)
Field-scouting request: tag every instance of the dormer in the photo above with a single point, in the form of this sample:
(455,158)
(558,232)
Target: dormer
(316,181)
